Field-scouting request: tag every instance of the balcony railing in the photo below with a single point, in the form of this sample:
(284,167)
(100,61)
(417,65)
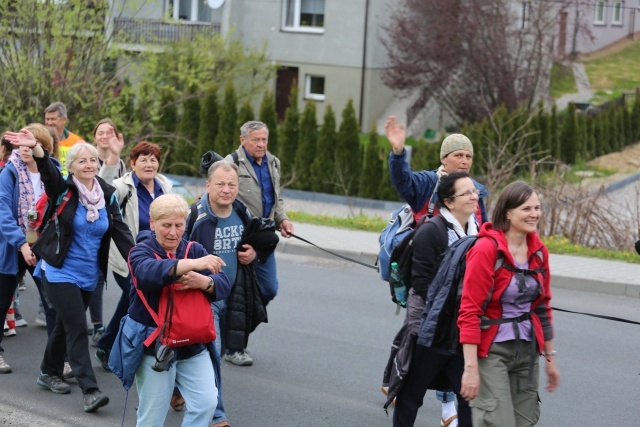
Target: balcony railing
(157,31)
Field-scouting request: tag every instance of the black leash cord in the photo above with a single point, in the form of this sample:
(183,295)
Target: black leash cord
(599,316)
(334,254)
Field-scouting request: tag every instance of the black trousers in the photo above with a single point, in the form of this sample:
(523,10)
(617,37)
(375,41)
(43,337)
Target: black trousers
(8,285)
(69,334)
(426,366)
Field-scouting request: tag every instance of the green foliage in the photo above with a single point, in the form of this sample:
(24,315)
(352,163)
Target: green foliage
(552,143)
(426,156)
(562,81)
(635,117)
(348,155)
(208,123)
(372,170)
(307,145)
(569,136)
(167,125)
(246,114)
(290,133)
(322,168)
(228,136)
(386,190)
(186,143)
(269,117)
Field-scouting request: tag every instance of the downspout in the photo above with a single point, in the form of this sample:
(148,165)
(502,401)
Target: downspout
(364,61)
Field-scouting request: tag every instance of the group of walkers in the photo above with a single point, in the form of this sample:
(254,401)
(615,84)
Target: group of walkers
(100,216)
(483,347)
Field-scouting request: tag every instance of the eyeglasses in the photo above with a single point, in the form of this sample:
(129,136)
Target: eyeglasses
(467,193)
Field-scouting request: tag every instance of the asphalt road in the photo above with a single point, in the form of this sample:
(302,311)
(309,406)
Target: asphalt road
(320,359)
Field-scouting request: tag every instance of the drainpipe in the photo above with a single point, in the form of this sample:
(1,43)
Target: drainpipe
(364,60)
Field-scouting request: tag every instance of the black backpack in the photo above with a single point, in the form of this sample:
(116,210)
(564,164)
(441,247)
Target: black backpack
(402,254)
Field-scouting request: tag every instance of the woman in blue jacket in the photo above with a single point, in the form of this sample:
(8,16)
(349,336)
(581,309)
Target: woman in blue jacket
(74,249)
(20,186)
(155,262)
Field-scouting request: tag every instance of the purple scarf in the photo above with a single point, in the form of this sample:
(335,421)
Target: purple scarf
(26,195)
(92,200)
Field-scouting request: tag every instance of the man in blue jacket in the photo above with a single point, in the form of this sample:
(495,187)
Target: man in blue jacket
(417,188)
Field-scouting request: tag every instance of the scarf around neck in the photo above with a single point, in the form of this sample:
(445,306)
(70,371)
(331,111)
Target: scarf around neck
(26,194)
(92,200)
(472,225)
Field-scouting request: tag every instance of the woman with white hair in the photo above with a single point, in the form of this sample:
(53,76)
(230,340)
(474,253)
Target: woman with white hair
(74,248)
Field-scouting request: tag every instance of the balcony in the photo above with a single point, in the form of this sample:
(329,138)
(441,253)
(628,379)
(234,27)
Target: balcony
(158,31)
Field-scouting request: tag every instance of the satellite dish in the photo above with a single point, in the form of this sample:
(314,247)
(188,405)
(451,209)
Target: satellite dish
(215,4)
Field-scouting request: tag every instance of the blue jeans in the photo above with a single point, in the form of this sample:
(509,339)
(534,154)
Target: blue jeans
(267,278)
(195,379)
(219,309)
(109,337)
(446,396)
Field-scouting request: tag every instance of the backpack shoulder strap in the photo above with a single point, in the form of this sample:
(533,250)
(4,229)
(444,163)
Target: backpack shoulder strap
(234,156)
(432,199)
(192,218)
(123,204)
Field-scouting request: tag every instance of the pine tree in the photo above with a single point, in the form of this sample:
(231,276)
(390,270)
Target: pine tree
(590,142)
(348,155)
(602,140)
(568,136)
(228,137)
(386,190)
(613,131)
(167,125)
(307,145)
(269,117)
(372,170)
(246,114)
(323,166)
(289,136)
(554,149)
(635,117)
(545,133)
(187,136)
(208,123)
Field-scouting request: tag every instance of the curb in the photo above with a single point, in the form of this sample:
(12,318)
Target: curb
(560,281)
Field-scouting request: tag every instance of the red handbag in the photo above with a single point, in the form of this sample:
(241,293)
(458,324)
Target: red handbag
(183,317)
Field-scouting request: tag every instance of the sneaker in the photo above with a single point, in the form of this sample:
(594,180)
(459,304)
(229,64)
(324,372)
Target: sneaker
(94,400)
(22,286)
(67,372)
(177,402)
(40,321)
(10,332)
(97,334)
(53,383)
(240,358)
(21,323)
(4,366)
(102,356)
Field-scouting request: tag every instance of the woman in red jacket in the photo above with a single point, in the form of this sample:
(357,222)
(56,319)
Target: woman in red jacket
(505,317)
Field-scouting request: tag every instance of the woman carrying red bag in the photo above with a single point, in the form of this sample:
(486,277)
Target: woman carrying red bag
(161,259)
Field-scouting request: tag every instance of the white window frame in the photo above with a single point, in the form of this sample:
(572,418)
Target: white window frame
(307,88)
(600,6)
(618,6)
(525,14)
(296,27)
(195,9)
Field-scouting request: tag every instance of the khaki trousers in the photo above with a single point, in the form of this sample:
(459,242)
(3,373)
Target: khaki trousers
(505,399)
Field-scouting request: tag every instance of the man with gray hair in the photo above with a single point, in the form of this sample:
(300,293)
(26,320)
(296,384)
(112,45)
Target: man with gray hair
(259,174)
(55,118)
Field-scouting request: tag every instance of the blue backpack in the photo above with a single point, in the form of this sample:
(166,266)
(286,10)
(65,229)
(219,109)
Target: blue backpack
(400,226)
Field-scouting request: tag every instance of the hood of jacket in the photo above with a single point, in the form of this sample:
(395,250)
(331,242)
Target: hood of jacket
(534,244)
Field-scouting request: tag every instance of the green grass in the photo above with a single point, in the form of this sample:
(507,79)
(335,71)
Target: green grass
(562,81)
(615,70)
(555,244)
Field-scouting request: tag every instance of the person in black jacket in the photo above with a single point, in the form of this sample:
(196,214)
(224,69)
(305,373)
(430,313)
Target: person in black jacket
(458,201)
(73,250)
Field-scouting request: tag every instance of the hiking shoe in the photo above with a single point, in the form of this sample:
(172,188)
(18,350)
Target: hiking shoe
(94,400)
(97,334)
(67,372)
(4,366)
(10,332)
(40,321)
(102,356)
(240,358)
(21,323)
(53,383)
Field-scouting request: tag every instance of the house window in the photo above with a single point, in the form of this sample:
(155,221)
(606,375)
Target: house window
(314,88)
(525,15)
(304,15)
(189,10)
(618,9)
(600,12)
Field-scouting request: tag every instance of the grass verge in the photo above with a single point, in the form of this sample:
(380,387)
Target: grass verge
(562,81)
(555,244)
(614,70)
